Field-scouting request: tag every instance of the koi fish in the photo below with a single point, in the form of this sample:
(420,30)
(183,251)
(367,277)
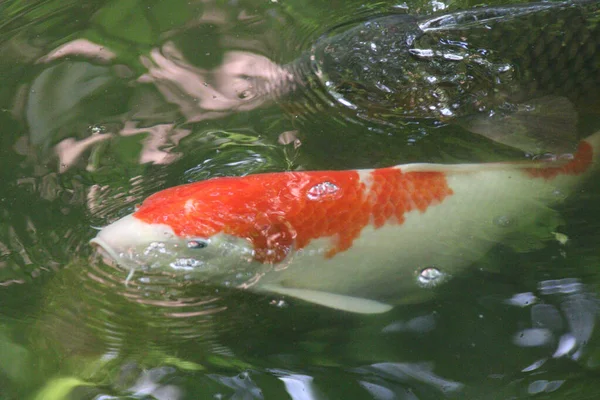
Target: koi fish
(355,240)
(522,69)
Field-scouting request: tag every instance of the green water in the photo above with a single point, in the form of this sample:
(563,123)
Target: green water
(104,102)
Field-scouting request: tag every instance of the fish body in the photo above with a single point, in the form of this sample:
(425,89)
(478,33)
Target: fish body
(525,69)
(357,240)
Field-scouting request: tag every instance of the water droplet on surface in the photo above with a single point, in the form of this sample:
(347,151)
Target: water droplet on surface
(323,191)
(430,277)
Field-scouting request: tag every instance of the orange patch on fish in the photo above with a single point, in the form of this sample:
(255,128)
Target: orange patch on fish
(581,162)
(278,211)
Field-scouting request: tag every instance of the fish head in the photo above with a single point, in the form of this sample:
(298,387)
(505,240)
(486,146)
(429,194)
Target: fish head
(207,229)
(134,244)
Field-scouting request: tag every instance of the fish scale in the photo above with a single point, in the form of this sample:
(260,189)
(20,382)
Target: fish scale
(550,49)
(532,67)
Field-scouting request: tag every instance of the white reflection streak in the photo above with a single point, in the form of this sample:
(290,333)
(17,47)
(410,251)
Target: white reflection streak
(299,387)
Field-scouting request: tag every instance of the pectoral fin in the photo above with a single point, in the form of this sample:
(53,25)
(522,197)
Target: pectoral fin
(546,124)
(332,300)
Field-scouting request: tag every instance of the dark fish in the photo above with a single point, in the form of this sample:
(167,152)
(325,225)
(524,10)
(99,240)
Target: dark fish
(514,73)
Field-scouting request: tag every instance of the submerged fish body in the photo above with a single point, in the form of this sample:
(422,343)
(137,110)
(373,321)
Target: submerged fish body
(357,240)
(523,69)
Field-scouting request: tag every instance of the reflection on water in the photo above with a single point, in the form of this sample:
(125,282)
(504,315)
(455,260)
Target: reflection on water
(103,103)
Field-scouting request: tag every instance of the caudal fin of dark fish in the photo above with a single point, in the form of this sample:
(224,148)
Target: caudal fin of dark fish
(542,125)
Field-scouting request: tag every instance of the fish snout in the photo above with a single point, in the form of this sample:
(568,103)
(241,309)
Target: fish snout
(125,240)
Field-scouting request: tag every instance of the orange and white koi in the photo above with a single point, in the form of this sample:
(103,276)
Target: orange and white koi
(357,240)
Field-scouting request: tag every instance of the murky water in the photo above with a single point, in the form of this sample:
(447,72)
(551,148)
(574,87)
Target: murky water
(103,103)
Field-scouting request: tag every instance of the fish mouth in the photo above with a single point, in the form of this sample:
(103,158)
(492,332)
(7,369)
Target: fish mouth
(108,254)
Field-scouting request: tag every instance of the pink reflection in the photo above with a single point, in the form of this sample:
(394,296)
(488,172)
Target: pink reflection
(70,150)
(159,136)
(196,313)
(12,282)
(243,81)
(240,83)
(79,47)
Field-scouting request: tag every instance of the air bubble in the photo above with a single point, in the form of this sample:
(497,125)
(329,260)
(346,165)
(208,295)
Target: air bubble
(185,263)
(97,129)
(323,191)
(155,247)
(430,277)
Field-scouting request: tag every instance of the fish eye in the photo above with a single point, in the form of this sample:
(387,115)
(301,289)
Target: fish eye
(197,244)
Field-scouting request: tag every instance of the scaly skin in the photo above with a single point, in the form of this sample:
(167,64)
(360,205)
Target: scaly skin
(461,63)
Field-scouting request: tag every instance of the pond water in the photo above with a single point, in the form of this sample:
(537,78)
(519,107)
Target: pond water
(103,103)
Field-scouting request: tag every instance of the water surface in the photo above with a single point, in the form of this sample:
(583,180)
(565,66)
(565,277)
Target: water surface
(104,102)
